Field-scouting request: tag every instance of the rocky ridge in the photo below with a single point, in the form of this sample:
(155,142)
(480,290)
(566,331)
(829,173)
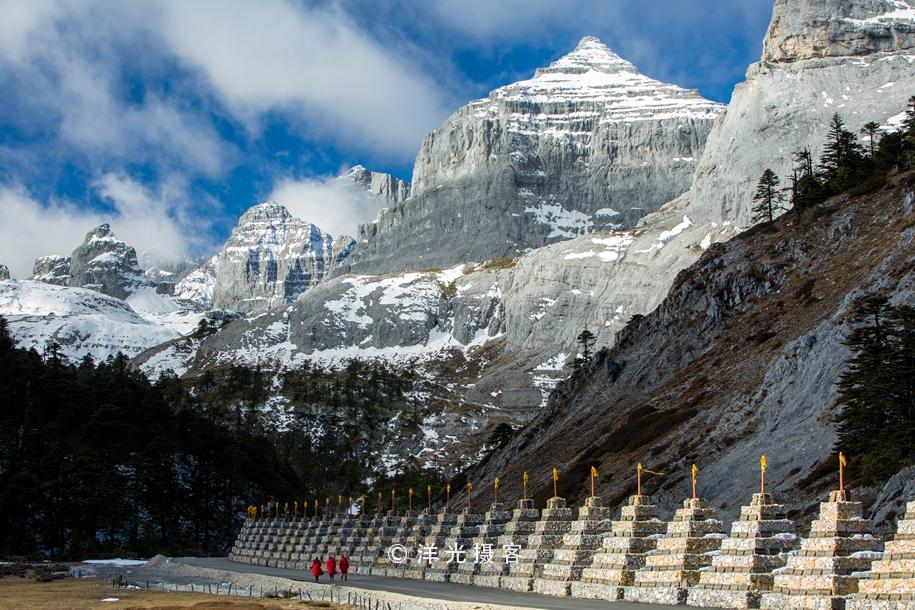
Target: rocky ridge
(587,144)
(106,264)
(379,184)
(4,272)
(102,262)
(52,269)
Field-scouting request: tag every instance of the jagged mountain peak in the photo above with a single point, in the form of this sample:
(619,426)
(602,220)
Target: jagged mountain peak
(589,55)
(102,232)
(376,184)
(272,257)
(355,171)
(593,74)
(265,211)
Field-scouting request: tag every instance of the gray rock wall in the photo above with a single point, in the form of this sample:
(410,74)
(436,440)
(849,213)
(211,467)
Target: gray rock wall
(808,29)
(780,109)
(52,269)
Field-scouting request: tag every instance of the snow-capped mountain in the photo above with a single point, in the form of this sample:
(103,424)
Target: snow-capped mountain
(82,321)
(545,170)
(529,310)
(198,285)
(587,144)
(102,262)
(135,314)
(4,272)
(272,257)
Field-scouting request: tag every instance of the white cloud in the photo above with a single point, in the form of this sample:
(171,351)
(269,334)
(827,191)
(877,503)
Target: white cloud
(29,229)
(312,66)
(148,220)
(335,206)
(506,20)
(312,63)
(66,59)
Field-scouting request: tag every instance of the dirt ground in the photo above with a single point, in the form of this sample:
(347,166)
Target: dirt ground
(25,593)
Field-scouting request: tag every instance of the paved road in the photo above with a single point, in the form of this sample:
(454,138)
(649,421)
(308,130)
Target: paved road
(434,590)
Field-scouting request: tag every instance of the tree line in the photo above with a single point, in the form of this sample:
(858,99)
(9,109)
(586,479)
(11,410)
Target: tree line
(96,459)
(844,164)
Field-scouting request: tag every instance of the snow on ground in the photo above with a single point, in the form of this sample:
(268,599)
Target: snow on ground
(198,285)
(83,322)
(667,235)
(566,224)
(547,374)
(901,12)
(613,248)
(115,562)
(164,310)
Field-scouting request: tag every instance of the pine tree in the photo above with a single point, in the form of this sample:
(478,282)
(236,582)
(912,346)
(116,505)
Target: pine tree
(877,390)
(871,130)
(586,340)
(6,339)
(842,157)
(768,197)
(908,125)
(806,188)
(907,153)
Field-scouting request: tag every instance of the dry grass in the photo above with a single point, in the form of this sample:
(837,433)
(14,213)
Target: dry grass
(87,594)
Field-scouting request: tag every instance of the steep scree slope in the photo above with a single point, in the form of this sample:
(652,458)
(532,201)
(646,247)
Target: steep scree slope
(740,359)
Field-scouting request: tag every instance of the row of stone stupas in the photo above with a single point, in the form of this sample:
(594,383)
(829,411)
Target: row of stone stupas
(689,560)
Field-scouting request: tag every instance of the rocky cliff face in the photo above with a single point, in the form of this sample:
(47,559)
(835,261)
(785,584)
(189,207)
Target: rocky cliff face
(4,272)
(52,269)
(507,172)
(810,29)
(783,107)
(587,144)
(106,264)
(741,358)
(385,186)
(273,257)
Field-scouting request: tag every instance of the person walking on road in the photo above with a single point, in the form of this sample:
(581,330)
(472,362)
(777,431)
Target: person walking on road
(316,570)
(331,567)
(343,566)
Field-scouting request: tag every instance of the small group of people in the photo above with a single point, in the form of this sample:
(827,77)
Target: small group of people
(340,567)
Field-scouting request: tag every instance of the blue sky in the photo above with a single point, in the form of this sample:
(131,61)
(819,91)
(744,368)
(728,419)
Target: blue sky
(170,118)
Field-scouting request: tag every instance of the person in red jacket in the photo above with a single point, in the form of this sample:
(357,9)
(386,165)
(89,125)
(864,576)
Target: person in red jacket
(343,566)
(331,567)
(316,570)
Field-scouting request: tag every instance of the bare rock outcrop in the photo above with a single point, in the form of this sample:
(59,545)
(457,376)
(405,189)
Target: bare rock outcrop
(812,29)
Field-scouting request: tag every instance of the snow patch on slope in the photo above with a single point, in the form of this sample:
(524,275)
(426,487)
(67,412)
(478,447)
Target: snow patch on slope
(83,322)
